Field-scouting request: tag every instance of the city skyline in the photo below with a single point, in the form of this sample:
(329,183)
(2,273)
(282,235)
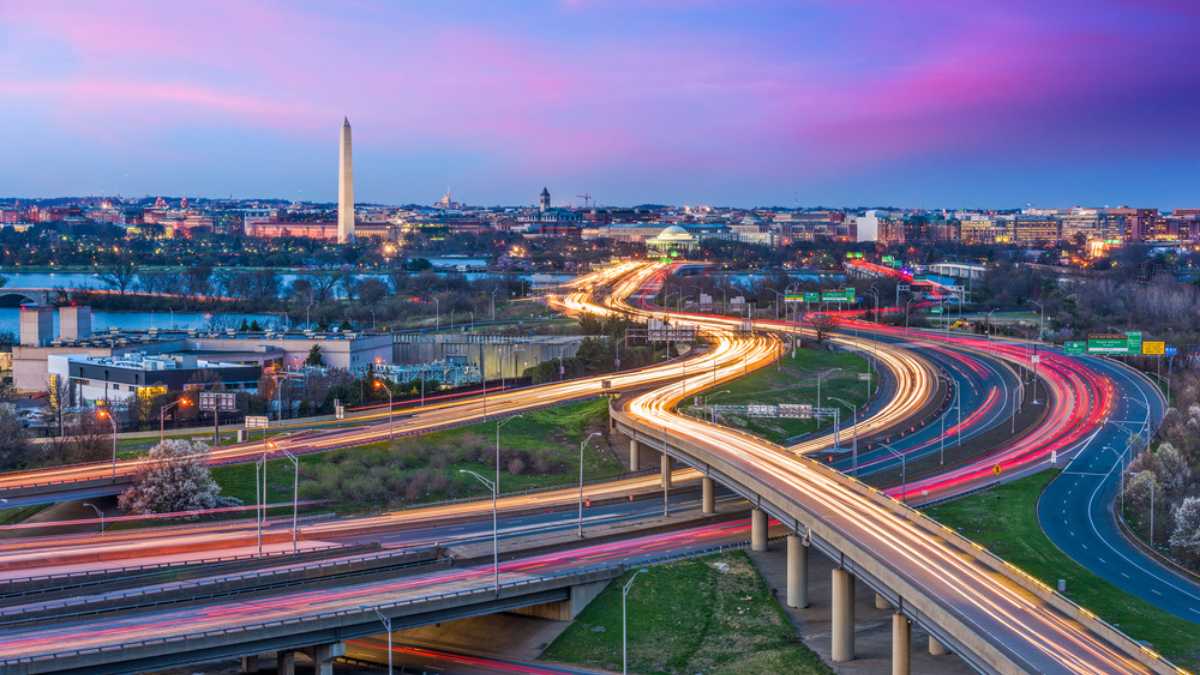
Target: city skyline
(739,105)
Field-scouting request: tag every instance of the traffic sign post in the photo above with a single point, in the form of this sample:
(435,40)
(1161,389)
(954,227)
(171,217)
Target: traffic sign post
(217,402)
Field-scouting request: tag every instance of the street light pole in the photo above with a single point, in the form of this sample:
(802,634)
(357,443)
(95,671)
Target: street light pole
(387,626)
(295,499)
(624,622)
(582,445)
(495,530)
(903,470)
(102,413)
(380,385)
(854,438)
(98,513)
(258,500)
(162,416)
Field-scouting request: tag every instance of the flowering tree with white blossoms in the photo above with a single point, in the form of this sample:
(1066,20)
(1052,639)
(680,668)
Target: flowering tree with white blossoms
(175,477)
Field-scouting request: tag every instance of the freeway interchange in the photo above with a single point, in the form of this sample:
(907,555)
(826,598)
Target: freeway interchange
(993,616)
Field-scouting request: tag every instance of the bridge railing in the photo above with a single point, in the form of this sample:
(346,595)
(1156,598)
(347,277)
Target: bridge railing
(582,575)
(934,607)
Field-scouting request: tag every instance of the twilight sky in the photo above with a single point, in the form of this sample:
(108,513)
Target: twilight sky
(993,103)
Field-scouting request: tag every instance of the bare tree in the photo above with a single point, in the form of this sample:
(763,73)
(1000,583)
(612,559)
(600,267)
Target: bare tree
(119,273)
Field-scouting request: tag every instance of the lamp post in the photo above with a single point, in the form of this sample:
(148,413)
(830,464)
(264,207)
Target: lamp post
(259,465)
(906,310)
(162,416)
(295,499)
(437,314)
(989,322)
(387,626)
(712,414)
(103,413)
(582,445)
(875,292)
(495,530)
(624,622)
(854,438)
(98,513)
(903,470)
(380,385)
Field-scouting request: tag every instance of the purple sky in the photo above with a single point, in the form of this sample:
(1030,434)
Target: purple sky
(739,102)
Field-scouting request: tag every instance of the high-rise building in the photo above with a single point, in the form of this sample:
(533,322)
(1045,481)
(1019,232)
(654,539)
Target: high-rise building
(345,187)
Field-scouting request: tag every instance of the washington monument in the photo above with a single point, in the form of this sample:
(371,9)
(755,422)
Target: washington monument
(345,187)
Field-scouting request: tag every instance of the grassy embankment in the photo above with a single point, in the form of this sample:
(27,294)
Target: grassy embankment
(704,615)
(795,381)
(1004,519)
(539,449)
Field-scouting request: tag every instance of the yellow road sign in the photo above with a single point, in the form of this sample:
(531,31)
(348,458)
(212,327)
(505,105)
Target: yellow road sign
(1154,347)
(996,469)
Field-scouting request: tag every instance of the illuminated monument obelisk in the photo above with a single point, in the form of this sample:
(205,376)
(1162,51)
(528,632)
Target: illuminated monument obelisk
(345,187)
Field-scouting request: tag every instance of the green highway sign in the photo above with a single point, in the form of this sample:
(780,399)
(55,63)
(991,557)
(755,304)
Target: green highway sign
(1134,341)
(1116,344)
(793,297)
(889,259)
(1075,347)
(812,296)
(845,295)
(935,310)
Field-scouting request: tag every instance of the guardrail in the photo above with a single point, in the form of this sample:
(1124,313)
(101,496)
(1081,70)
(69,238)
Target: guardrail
(134,569)
(403,557)
(366,612)
(934,606)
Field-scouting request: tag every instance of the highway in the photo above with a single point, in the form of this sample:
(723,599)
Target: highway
(1031,632)
(1077,509)
(139,625)
(1017,624)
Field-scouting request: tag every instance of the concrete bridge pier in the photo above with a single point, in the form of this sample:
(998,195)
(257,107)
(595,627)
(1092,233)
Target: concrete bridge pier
(708,500)
(758,530)
(640,456)
(285,663)
(323,655)
(843,616)
(664,467)
(936,648)
(250,664)
(901,643)
(797,572)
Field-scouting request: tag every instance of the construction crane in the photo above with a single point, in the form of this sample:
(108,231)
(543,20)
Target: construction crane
(587,199)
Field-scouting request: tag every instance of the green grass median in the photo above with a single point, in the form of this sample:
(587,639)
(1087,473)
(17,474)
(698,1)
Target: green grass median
(704,615)
(539,449)
(794,380)
(1004,519)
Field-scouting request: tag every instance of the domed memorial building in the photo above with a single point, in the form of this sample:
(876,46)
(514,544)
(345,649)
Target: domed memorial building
(673,239)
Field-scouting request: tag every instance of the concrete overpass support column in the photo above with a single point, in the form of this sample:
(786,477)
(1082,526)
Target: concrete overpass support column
(323,656)
(843,616)
(634,455)
(758,530)
(664,466)
(797,572)
(881,602)
(936,647)
(901,641)
(285,663)
(708,500)
(250,664)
